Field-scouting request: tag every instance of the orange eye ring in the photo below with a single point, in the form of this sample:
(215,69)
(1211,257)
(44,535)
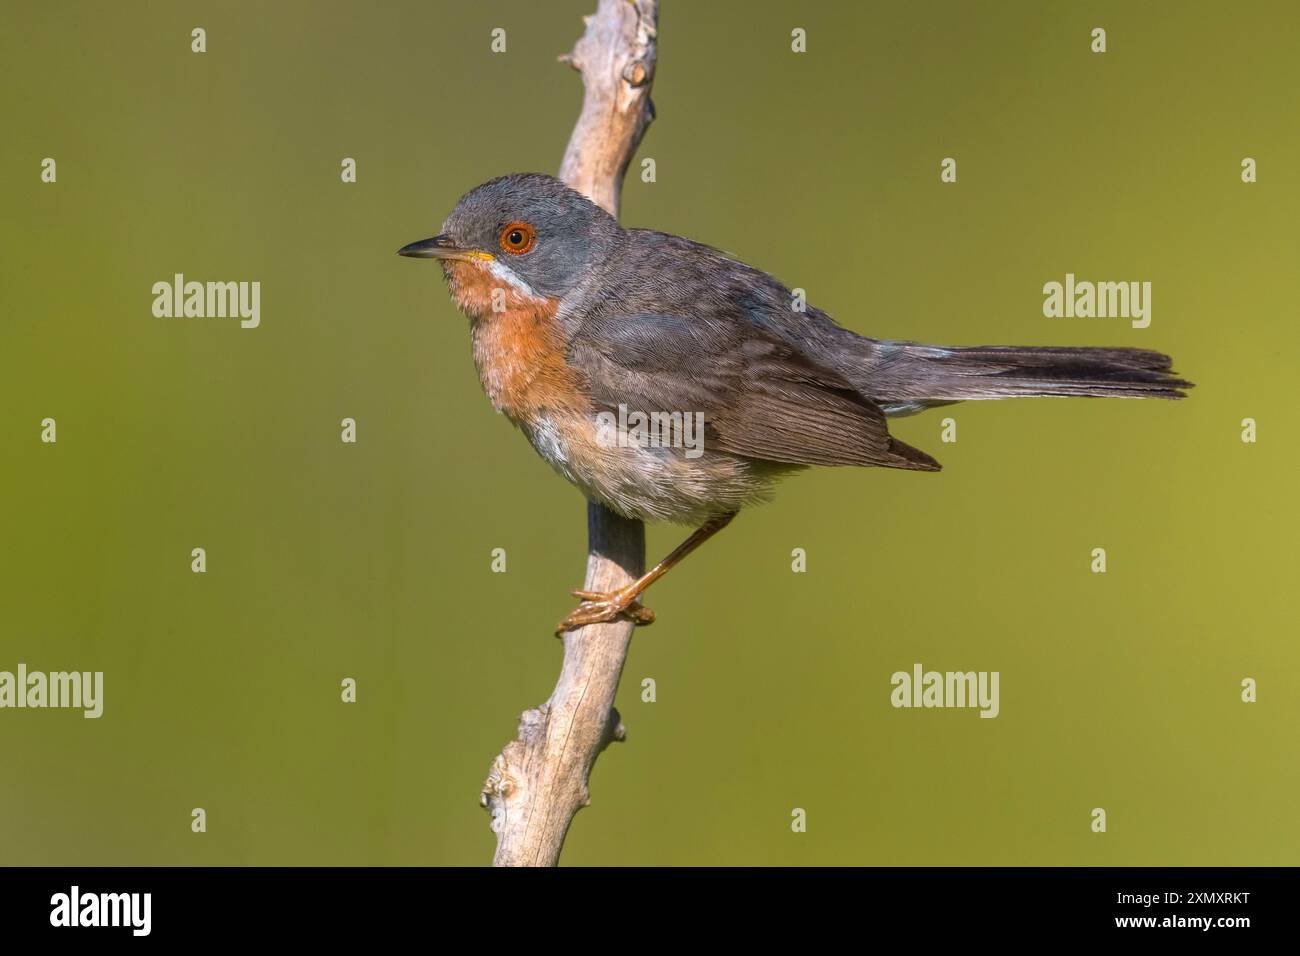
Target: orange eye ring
(518,238)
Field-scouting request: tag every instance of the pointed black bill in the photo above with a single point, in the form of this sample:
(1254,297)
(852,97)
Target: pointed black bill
(439,247)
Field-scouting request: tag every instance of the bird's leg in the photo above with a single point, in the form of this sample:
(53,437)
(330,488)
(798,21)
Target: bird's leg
(600,606)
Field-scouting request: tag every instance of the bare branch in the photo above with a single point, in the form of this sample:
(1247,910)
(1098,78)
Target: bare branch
(540,780)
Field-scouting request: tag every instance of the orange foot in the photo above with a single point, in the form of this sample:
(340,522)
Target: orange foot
(598,607)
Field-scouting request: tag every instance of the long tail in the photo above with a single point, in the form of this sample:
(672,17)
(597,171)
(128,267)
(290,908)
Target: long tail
(907,377)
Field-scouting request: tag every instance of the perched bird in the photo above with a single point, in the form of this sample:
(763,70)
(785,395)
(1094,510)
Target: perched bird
(576,320)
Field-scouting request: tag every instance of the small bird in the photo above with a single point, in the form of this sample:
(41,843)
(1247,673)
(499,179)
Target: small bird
(578,322)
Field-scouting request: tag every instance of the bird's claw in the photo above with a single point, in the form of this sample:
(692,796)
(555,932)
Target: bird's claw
(599,607)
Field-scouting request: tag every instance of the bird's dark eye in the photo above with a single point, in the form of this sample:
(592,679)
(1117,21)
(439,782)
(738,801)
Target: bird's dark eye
(518,238)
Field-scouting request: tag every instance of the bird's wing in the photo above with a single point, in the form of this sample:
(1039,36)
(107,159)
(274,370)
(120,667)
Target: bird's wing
(760,397)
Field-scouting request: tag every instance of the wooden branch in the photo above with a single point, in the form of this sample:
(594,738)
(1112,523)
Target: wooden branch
(540,780)
(616,57)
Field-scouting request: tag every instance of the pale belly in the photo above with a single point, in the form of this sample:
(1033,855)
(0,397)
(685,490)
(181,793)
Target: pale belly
(653,484)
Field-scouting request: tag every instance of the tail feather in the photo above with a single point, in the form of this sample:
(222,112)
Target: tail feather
(910,377)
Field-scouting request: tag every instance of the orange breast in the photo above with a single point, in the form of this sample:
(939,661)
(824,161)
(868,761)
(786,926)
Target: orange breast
(520,349)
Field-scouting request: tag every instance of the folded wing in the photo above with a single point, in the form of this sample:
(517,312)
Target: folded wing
(760,397)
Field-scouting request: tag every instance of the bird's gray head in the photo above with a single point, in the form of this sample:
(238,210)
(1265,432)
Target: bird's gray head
(530,224)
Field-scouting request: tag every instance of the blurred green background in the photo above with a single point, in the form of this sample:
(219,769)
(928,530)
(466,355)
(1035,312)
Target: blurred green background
(328,560)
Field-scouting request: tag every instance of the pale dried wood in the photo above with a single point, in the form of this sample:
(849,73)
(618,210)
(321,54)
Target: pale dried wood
(540,780)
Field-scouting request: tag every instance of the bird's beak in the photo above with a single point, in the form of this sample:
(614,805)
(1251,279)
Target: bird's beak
(440,247)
